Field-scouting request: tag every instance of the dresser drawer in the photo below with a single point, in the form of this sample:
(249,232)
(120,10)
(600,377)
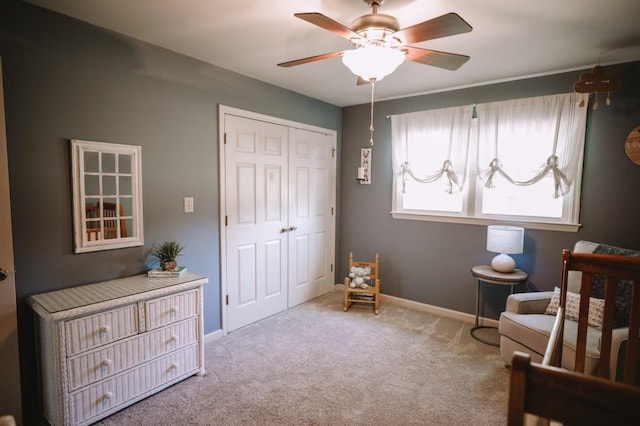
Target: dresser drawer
(169,309)
(99,329)
(119,391)
(106,361)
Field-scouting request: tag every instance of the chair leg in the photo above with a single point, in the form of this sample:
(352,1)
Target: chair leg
(376,304)
(346,303)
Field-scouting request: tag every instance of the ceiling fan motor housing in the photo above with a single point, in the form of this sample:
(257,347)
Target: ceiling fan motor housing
(375,28)
(372,3)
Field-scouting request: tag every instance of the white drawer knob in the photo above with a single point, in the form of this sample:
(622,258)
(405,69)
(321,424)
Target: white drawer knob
(107,395)
(104,329)
(174,366)
(107,362)
(174,338)
(174,310)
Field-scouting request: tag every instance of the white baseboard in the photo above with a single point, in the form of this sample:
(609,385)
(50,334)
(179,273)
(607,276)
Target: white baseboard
(436,310)
(214,335)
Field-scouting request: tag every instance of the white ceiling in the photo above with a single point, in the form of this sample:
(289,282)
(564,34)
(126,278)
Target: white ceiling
(511,39)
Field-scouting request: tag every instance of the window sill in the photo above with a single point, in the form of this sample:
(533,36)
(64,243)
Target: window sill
(560,227)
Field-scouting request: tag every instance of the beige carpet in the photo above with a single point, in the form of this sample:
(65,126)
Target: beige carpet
(317,365)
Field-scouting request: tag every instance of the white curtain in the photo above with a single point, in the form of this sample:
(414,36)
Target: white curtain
(432,145)
(526,140)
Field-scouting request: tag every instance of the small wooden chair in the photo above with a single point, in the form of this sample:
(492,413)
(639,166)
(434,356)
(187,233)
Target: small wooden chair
(369,295)
(569,397)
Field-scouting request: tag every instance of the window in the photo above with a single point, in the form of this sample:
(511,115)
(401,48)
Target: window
(107,192)
(430,151)
(518,160)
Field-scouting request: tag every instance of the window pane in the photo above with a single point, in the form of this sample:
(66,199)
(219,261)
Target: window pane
(91,163)
(126,227)
(124,163)
(533,200)
(108,163)
(127,210)
(431,196)
(109,185)
(91,185)
(125,185)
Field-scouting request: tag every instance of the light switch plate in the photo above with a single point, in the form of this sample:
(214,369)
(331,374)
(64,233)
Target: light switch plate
(188,204)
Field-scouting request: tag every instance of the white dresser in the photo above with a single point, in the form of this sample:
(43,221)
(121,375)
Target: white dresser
(105,346)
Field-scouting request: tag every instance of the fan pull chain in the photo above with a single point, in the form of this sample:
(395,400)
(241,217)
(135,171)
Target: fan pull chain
(373,85)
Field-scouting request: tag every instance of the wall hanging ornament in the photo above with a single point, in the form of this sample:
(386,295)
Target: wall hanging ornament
(595,81)
(632,145)
(364,171)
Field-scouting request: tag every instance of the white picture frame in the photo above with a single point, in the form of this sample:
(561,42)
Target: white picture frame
(107,195)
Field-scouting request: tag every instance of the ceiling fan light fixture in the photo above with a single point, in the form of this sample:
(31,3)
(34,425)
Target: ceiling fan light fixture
(373,62)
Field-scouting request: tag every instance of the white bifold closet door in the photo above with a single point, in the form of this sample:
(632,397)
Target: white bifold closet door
(279,217)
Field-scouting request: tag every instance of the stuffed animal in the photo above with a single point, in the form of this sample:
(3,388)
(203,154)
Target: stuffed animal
(359,276)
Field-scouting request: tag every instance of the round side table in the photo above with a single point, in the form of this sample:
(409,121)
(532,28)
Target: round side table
(485,273)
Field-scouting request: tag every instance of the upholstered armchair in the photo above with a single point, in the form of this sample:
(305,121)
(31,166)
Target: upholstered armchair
(528,319)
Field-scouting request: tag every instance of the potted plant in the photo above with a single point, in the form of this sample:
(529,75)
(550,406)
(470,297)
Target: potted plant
(166,253)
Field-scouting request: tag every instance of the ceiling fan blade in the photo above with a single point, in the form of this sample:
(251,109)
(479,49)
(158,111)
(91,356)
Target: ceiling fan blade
(448,61)
(310,59)
(442,26)
(328,24)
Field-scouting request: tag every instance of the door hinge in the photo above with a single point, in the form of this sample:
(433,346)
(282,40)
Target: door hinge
(225,138)
(333,151)
(227,300)
(331,211)
(332,267)
(226,220)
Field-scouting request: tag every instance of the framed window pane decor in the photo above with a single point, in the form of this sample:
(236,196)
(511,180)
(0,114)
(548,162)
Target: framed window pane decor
(107,195)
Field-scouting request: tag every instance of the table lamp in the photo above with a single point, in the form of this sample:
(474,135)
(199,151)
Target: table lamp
(504,240)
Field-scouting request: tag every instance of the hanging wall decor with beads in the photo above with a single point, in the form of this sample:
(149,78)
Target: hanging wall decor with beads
(596,82)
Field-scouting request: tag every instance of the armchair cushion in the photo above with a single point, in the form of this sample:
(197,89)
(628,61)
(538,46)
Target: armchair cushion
(533,331)
(596,308)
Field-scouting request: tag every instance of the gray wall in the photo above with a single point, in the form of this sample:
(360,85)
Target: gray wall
(65,79)
(430,262)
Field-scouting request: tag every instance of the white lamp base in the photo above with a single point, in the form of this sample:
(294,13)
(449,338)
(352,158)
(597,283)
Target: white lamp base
(503,263)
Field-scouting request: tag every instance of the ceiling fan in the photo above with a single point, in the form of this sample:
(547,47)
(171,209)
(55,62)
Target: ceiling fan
(381,35)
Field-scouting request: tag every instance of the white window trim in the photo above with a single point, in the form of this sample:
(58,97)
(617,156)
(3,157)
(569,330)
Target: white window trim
(563,227)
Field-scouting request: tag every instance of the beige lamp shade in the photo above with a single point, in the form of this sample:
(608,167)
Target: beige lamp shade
(504,240)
